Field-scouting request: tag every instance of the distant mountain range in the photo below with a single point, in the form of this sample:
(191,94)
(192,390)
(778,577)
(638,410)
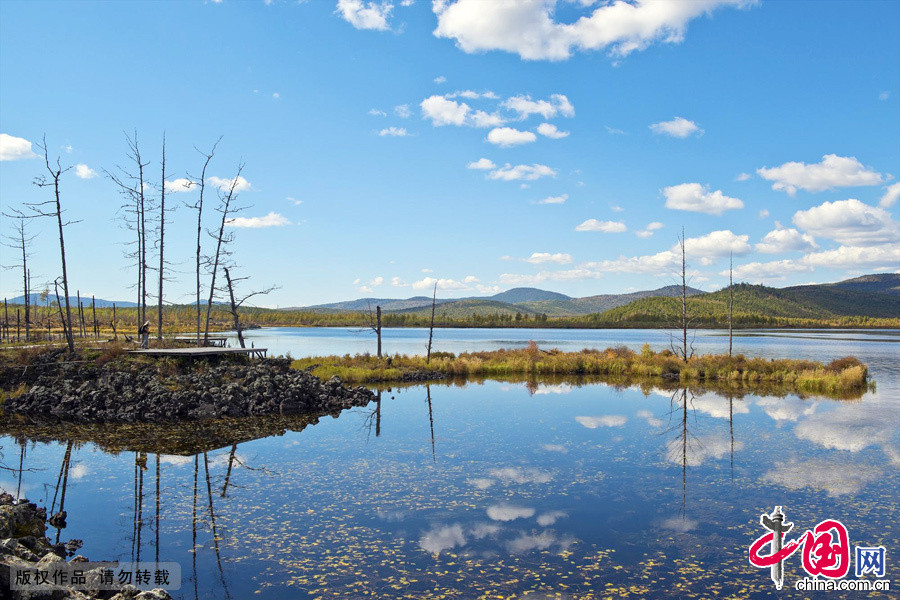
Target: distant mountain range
(876,296)
(35,299)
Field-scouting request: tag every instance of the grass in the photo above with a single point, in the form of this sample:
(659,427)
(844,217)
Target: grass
(842,375)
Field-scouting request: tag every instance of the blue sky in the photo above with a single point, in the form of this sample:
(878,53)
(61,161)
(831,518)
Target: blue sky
(479,145)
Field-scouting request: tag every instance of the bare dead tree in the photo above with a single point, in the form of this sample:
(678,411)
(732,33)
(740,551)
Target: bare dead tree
(431,331)
(235,305)
(53,208)
(198,206)
(132,186)
(21,241)
(375,325)
(162,239)
(684,351)
(227,209)
(67,331)
(730,301)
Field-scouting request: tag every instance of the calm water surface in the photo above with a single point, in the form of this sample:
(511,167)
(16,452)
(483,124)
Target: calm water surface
(549,489)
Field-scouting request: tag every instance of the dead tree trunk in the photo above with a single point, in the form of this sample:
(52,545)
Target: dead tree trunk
(221,240)
(199,207)
(683,299)
(162,235)
(94,313)
(730,302)
(431,329)
(378,328)
(234,309)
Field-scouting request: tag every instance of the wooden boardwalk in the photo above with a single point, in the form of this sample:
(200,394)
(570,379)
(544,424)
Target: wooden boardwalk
(202,352)
(211,340)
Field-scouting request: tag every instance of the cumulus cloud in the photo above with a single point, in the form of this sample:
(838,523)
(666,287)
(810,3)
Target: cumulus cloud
(402,111)
(527,542)
(604,421)
(273,219)
(719,407)
(614,131)
(182,184)
(398,282)
(604,226)
(660,263)
(884,257)
(507,512)
(567,275)
(83,171)
(442,284)
(440,79)
(549,130)
(555,448)
(394,132)
(834,478)
(524,106)
(482,164)
(14,148)
(758,272)
(528,27)
(651,420)
(520,475)
(834,171)
(441,111)
(240,184)
(561,199)
(648,231)
(716,244)
(697,198)
(890,196)
(743,177)
(539,258)
(849,222)
(699,449)
(522,172)
(677,127)
(377,113)
(506,137)
(365,15)
(786,240)
(549,518)
(786,409)
(442,538)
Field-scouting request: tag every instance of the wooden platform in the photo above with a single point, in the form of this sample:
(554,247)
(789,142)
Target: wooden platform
(216,341)
(202,352)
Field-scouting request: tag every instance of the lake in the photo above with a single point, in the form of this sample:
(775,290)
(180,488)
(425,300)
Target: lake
(541,489)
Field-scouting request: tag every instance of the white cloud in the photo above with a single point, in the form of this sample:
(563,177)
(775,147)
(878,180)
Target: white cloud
(527,542)
(402,111)
(884,95)
(240,184)
(397,282)
(834,171)
(567,275)
(83,171)
(482,483)
(614,131)
(443,284)
(550,131)
(616,208)
(394,132)
(884,257)
(441,538)
(837,479)
(15,148)
(444,112)
(786,409)
(522,172)
(658,264)
(648,231)
(276,95)
(506,137)
(440,79)
(561,199)
(849,222)
(757,272)
(520,475)
(471,279)
(182,184)
(365,289)
(716,244)
(652,421)
(506,512)
(68,149)
(786,240)
(481,119)
(677,127)
(890,196)
(294,201)
(743,177)
(482,164)
(273,219)
(377,113)
(528,28)
(549,518)
(555,448)
(763,214)
(539,258)
(604,226)
(697,198)
(525,106)
(365,15)
(604,421)
(377,281)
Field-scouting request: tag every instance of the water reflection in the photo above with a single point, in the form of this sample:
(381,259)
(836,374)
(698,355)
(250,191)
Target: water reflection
(545,487)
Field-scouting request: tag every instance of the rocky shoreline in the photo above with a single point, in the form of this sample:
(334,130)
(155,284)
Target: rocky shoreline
(23,546)
(133,391)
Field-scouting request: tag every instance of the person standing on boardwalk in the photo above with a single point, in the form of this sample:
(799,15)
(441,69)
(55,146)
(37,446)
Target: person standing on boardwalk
(144,332)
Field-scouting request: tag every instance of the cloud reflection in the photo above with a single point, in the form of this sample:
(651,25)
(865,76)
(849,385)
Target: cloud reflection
(604,421)
(507,512)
